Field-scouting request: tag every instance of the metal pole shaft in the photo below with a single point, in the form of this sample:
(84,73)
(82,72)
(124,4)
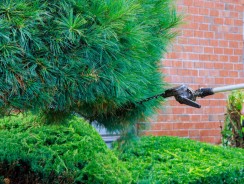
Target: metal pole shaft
(228,88)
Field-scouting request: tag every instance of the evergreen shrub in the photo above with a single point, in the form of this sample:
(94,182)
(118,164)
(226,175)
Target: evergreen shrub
(94,57)
(73,152)
(176,160)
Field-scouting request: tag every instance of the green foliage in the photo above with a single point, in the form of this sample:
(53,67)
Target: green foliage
(94,57)
(233,133)
(175,160)
(69,153)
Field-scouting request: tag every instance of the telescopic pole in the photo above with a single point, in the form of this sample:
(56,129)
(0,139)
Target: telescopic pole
(228,88)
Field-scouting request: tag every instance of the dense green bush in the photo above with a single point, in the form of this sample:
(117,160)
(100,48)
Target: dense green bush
(69,153)
(157,160)
(233,132)
(94,57)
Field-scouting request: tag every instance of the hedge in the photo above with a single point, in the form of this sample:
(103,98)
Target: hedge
(31,152)
(175,160)
(73,152)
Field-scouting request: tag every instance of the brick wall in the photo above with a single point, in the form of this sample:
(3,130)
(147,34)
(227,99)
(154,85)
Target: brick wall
(207,53)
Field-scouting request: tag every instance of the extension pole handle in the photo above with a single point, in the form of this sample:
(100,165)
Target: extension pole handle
(228,88)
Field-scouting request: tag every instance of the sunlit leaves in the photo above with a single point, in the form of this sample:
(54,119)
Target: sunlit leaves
(179,160)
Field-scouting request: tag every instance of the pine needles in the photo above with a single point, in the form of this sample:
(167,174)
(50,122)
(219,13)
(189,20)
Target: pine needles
(97,58)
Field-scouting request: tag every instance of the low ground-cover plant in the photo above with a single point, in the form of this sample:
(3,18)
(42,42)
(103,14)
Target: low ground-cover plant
(233,134)
(73,152)
(176,160)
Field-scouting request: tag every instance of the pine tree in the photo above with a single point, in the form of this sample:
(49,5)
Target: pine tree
(97,58)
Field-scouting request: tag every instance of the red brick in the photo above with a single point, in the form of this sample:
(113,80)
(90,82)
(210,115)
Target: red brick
(224,58)
(162,118)
(238,52)
(209,65)
(214,43)
(233,74)
(182,133)
(241,44)
(235,29)
(207,53)
(204,57)
(218,21)
(188,33)
(198,3)
(210,139)
(193,56)
(229,66)
(182,40)
(223,43)
(209,4)
(194,133)
(188,2)
(223,73)
(204,27)
(219,5)
(178,48)
(234,15)
(219,81)
(238,66)
(204,11)
(188,64)
(204,42)
(177,63)
(229,81)
(198,49)
(178,126)
(238,22)
(213,73)
(195,118)
(209,50)
(199,125)
(182,8)
(167,126)
(189,126)
(229,7)
(192,26)
(193,10)
(164,133)
(209,132)
(155,126)
(204,73)
(229,21)
(199,65)
(239,7)
(173,71)
(229,36)
(234,58)
(167,63)
(193,41)
(239,80)
(218,50)
(214,12)
(224,29)
(209,34)
(228,51)
(214,58)
(218,66)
